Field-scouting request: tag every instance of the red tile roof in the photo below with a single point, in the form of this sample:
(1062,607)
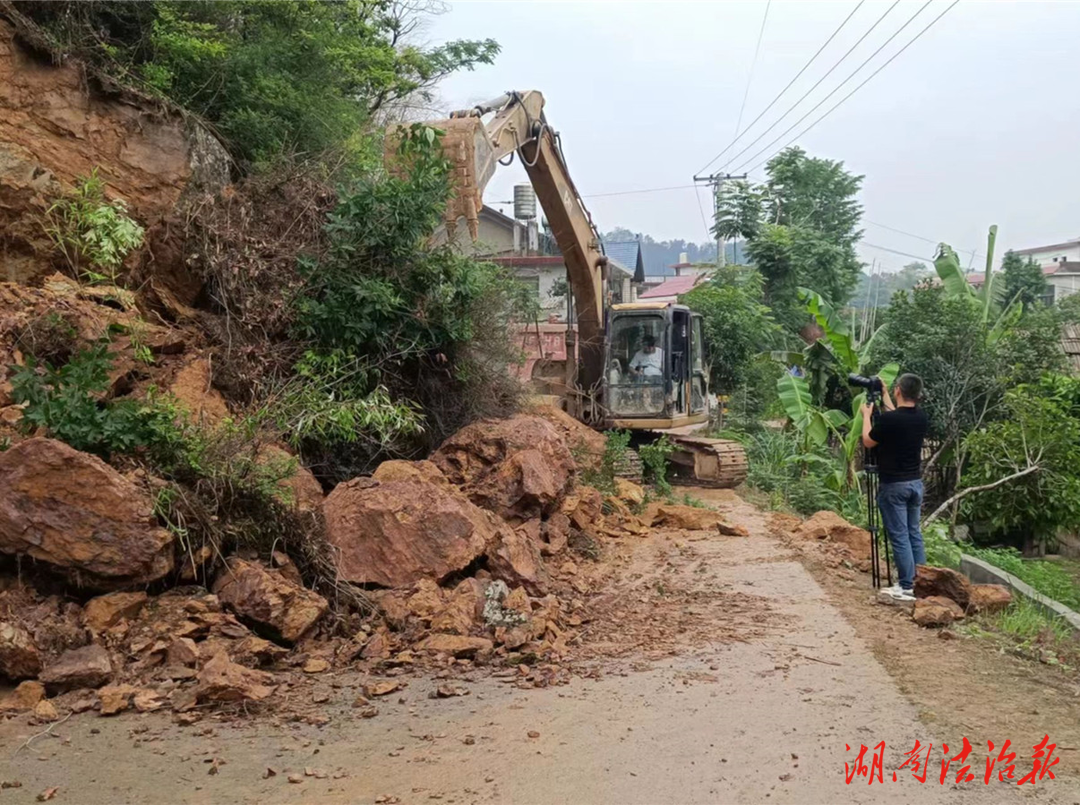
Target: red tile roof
(672,287)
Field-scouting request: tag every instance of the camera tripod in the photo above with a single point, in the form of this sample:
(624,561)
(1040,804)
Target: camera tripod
(873,517)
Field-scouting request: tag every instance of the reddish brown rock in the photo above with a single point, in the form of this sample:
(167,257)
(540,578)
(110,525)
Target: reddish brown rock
(86,667)
(19,657)
(462,610)
(585,508)
(267,601)
(518,467)
(106,611)
(222,680)
(516,560)
(555,533)
(942,581)
(300,488)
(586,445)
(394,534)
(628,492)
(193,389)
(988,598)
(831,526)
(24,698)
(686,518)
(77,513)
(115,699)
(936,611)
(183,651)
(453,644)
(397,470)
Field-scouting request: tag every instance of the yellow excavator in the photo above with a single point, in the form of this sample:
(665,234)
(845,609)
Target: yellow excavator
(638,366)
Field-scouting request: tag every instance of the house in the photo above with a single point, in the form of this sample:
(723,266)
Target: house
(670,290)
(1069,251)
(1061,264)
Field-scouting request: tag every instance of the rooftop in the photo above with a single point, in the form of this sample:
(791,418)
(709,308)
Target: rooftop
(1035,249)
(675,286)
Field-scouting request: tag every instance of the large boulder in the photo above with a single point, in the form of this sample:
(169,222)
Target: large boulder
(988,598)
(19,657)
(944,582)
(831,526)
(587,445)
(86,667)
(686,518)
(516,559)
(75,512)
(267,601)
(397,470)
(518,467)
(936,611)
(395,534)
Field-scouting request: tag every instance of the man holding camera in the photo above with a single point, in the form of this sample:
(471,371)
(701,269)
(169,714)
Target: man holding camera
(898,433)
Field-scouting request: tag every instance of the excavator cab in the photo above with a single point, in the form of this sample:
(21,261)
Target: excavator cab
(656,376)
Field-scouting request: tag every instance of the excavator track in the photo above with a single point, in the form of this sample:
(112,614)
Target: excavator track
(701,461)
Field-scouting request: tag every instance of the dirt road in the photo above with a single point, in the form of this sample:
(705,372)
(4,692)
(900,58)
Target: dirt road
(757,708)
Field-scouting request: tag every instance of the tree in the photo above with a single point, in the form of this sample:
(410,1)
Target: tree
(1024,279)
(273,76)
(736,323)
(816,194)
(738,211)
(878,290)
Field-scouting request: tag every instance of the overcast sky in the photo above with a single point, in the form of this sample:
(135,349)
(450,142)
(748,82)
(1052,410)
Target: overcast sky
(977,122)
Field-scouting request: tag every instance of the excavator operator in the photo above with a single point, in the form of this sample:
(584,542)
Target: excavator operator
(648,362)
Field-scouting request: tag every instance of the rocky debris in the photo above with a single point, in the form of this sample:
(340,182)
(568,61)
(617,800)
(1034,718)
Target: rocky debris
(936,611)
(193,390)
(222,680)
(988,598)
(86,667)
(628,492)
(410,471)
(684,518)
(75,512)
(106,611)
(114,699)
(827,525)
(267,601)
(183,652)
(455,645)
(586,445)
(500,610)
(19,657)
(45,711)
(464,606)
(516,559)
(397,533)
(944,582)
(728,530)
(555,533)
(24,698)
(585,508)
(518,468)
(302,489)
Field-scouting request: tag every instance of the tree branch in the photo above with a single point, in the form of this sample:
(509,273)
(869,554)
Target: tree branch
(965,492)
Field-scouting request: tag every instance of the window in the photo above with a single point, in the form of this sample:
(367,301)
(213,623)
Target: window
(636,365)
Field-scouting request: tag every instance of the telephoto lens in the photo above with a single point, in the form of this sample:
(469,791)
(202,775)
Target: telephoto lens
(869,383)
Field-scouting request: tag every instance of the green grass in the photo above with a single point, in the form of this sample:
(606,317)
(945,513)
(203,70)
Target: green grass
(1048,578)
(1024,619)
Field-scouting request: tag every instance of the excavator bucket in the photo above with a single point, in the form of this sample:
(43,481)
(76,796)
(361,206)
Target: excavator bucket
(466,145)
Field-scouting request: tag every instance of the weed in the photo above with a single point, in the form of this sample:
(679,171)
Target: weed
(49,338)
(1048,578)
(940,549)
(654,457)
(93,233)
(611,463)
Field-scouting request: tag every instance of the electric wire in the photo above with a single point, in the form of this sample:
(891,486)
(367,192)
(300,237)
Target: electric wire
(753,66)
(772,103)
(817,83)
(832,92)
(860,86)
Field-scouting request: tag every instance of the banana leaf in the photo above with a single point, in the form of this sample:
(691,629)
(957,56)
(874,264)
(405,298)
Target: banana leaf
(836,330)
(947,266)
(853,438)
(795,397)
(988,282)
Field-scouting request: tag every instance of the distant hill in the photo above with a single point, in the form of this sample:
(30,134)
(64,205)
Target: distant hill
(660,255)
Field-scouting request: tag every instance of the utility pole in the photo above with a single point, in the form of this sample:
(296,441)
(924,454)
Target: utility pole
(714,181)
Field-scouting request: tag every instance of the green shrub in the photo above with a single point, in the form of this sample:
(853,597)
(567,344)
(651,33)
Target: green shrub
(940,549)
(612,462)
(93,233)
(654,458)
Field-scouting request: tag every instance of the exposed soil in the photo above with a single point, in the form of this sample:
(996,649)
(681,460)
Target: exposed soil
(710,669)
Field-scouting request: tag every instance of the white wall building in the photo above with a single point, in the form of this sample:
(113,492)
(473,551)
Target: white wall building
(1060,263)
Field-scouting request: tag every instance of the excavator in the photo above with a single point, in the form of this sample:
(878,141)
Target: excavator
(638,366)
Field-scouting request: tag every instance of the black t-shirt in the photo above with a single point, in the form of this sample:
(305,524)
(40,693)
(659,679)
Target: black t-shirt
(899,434)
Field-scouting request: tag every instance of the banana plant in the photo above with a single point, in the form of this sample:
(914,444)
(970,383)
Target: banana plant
(988,297)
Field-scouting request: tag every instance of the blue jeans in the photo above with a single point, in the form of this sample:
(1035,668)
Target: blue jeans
(901,507)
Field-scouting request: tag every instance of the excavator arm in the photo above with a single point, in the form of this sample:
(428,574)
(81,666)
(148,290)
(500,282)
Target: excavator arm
(519,126)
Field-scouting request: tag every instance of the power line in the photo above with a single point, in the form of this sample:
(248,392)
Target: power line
(860,86)
(893,251)
(697,197)
(635,192)
(917,237)
(753,64)
(835,89)
(772,103)
(807,94)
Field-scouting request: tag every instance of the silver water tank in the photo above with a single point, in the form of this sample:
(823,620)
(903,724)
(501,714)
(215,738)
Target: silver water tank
(524,202)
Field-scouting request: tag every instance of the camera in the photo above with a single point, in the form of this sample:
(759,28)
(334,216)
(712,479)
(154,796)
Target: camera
(869,383)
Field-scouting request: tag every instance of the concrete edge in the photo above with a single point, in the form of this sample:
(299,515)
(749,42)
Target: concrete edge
(982,572)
